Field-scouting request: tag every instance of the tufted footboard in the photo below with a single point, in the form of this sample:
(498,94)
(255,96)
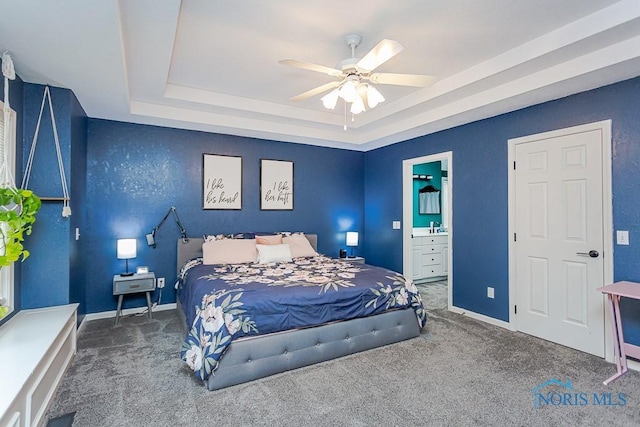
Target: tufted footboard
(259,357)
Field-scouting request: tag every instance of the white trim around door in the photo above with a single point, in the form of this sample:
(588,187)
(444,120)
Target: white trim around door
(607,217)
(407,215)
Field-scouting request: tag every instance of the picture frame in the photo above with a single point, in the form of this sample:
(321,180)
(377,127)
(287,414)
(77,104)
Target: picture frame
(221,182)
(276,184)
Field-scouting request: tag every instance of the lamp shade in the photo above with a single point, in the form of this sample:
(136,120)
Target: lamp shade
(330,100)
(352,238)
(374,97)
(357,106)
(127,248)
(348,91)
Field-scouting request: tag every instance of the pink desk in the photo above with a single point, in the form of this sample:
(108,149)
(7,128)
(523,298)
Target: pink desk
(621,349)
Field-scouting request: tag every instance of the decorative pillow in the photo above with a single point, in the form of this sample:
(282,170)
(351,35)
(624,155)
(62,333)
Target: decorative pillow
(275,239)
(273,253)
(300,246)
(229,251)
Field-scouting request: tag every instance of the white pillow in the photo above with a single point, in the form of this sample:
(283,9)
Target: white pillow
(273,253)
(300,246)
(229,251)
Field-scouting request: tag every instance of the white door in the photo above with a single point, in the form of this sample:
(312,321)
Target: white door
(559,239)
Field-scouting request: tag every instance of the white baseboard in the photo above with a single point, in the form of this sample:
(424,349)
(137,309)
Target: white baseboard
(480,317)
(125,312)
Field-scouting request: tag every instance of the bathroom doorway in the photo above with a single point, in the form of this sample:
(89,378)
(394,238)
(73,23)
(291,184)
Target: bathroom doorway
(427,231)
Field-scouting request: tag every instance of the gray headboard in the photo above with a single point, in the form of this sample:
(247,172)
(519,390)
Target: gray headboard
(193,248)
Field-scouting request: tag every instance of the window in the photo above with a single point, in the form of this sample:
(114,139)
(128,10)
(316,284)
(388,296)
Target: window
(6,273)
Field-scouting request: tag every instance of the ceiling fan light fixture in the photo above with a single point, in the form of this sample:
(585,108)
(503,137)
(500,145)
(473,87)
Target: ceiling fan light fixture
(374,97)
(330,100)
(357,106)
(348,91)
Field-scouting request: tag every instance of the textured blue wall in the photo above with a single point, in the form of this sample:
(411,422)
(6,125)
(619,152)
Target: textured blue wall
(16,101)
(77,175)
(46,277)
(135,173)
(480,206)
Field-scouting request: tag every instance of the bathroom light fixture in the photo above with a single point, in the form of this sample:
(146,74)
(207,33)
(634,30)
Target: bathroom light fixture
(151,237)
(352,240)
(126,250)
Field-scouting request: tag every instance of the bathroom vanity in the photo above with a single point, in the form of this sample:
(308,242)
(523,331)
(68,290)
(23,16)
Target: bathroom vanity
(430,255)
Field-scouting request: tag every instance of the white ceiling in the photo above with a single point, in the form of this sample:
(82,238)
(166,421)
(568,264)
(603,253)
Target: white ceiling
(212,65)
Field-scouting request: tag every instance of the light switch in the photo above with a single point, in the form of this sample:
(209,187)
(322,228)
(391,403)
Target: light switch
(622,237)
(396,225)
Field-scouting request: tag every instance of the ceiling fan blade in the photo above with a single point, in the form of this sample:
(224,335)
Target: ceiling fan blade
(315,91)
(312,67)
(381,53)
(415,80)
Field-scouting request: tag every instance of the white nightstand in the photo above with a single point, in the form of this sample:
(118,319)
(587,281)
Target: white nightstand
(132,285)
(353,260)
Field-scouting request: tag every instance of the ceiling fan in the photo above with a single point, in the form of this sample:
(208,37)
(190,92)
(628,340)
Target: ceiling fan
(355,76)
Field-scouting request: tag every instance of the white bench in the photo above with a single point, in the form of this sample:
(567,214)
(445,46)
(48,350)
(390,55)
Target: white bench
(36,347)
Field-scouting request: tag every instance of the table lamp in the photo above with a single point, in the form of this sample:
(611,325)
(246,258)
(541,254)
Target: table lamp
(127,250)
(352,240)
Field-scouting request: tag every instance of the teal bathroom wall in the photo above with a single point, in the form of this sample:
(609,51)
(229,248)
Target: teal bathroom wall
(434,169)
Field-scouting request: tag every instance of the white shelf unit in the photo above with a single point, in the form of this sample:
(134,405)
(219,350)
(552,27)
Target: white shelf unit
(36,348)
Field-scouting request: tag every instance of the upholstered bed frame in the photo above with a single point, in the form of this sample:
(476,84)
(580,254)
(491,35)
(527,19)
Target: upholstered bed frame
(251,358)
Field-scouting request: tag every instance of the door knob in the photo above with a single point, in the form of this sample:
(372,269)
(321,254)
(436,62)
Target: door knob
(592,253)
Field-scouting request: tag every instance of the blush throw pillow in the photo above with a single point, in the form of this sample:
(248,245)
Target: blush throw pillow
(229,251)
(300,246)
(273,253)
(276,239)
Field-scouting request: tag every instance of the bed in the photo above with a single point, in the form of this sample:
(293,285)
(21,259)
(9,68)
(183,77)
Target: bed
(229,343)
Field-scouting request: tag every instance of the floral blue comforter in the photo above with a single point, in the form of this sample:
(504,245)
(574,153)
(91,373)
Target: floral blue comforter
(224,302)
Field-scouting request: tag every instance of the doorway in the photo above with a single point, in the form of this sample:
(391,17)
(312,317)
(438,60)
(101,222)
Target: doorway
(445,248)
(560,230)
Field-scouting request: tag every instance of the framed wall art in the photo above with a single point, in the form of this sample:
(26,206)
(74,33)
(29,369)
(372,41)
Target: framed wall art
(221,182)
(276,184)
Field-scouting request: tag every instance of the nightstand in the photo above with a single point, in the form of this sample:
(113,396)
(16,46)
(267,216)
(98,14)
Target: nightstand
(132,285)
(353,260)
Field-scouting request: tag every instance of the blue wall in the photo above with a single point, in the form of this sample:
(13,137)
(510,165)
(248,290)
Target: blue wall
(77,192)
(136,172)
(47,275)
(479,149)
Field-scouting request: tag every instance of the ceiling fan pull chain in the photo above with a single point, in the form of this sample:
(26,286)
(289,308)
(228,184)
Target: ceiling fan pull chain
(345,116)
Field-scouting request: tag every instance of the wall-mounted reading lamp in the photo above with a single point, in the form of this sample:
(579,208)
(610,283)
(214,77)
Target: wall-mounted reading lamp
(151,237)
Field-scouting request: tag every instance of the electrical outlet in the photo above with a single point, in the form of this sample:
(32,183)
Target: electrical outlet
(160,282)
(490,292)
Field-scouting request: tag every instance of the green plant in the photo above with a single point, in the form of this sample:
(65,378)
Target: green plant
(17,214)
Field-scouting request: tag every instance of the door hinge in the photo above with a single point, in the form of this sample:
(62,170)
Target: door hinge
(514,237)
(514,165)
(515,309)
